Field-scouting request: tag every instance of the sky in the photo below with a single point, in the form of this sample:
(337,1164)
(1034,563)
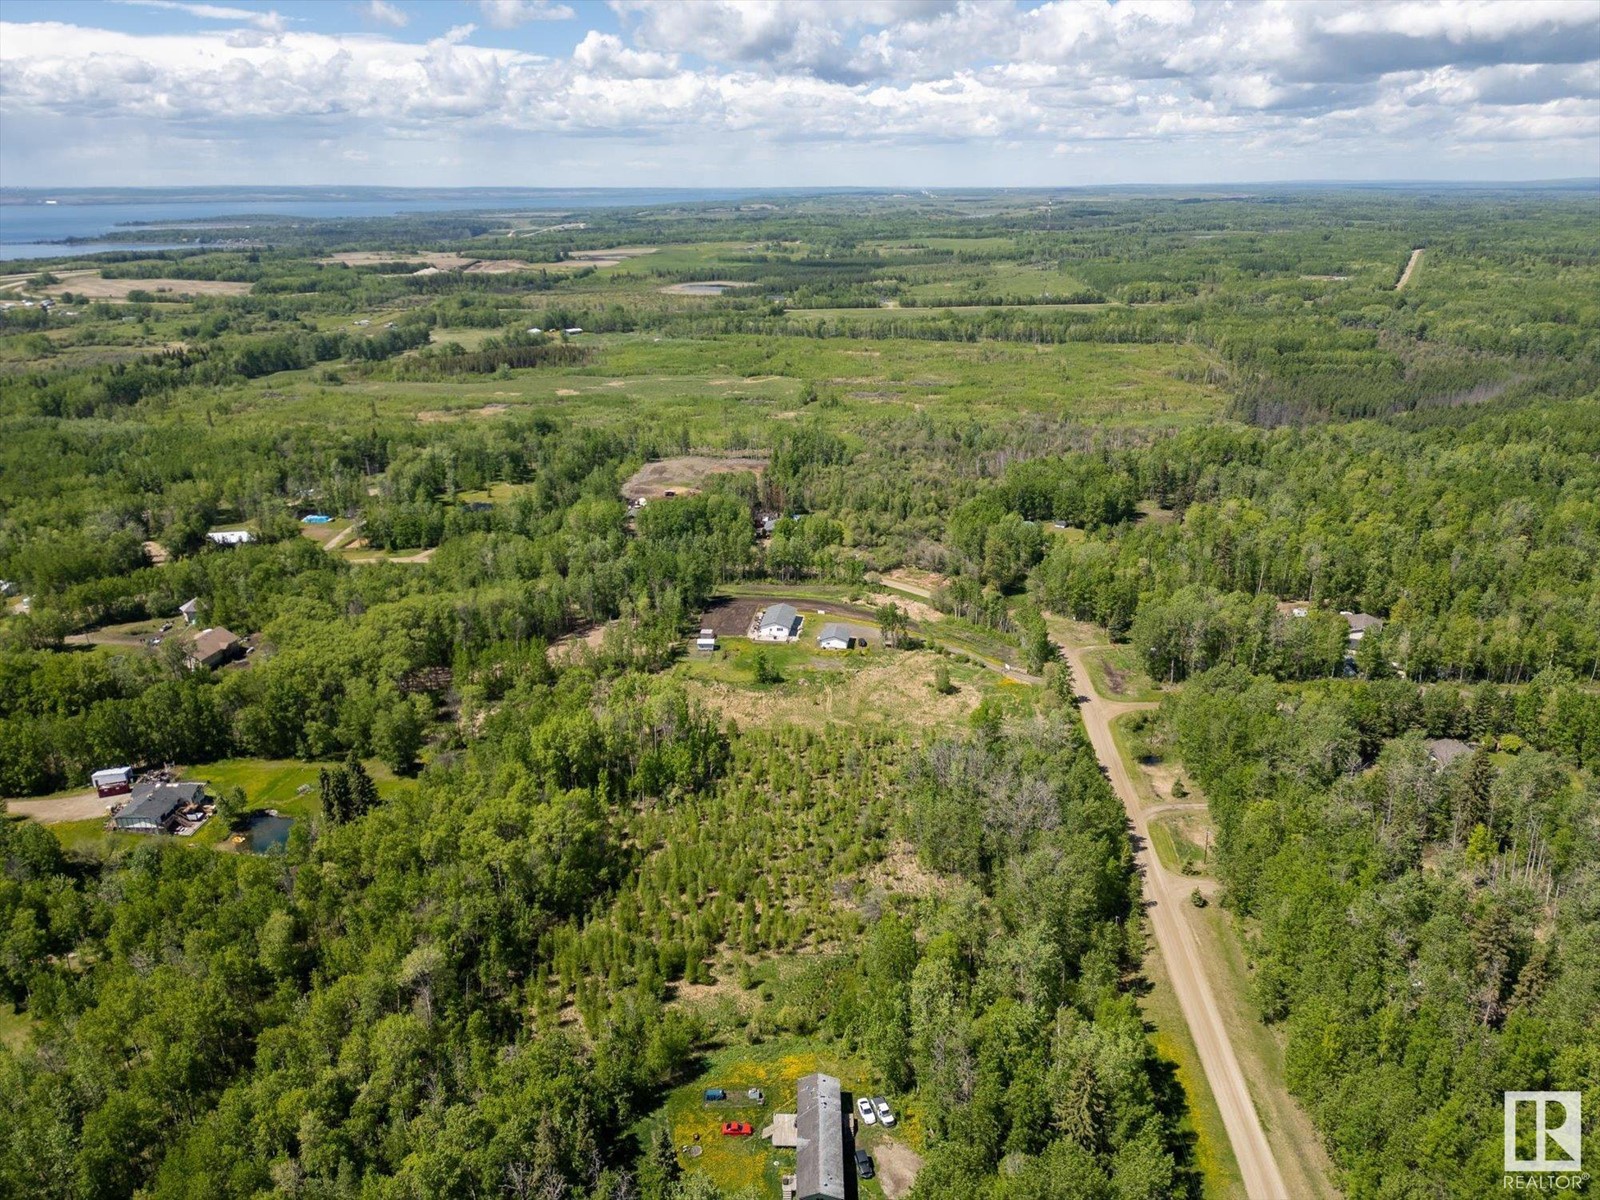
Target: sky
(794,93)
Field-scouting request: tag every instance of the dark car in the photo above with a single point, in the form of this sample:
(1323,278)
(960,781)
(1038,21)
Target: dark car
(864,1165)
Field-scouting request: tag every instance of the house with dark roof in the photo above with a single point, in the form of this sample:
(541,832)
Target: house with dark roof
(1360,625)
(1444,751)
(819,1141)
(154,805)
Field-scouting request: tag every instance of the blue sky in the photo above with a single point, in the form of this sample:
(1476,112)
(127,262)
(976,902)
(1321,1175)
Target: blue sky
(794,92)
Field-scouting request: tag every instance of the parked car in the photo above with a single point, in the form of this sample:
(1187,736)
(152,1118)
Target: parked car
(864,1165)
(737,1129)
(885,1113)
(868,1115)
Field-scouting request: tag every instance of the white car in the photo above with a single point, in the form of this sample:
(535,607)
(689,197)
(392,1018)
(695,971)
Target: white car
(885,1114)
(864,1107)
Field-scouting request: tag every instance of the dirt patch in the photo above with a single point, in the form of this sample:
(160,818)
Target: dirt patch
(82,806)
(498,266)
(918,583)
(1411,265)
(897,690)
(96,288)
(915,609)
(568,392)
(432,416)
(653,480)
(898,1166)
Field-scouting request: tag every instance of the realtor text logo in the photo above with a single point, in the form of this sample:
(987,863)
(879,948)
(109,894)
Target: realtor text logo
(1550,1124)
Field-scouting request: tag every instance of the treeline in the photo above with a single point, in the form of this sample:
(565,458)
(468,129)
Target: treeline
(1476,540)
(1423,935)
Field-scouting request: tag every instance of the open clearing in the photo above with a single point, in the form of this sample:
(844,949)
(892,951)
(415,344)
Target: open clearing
(1411,265)
(431,416)
(685,474)
(80,806)
(442,261)
(709,287)
(96,287)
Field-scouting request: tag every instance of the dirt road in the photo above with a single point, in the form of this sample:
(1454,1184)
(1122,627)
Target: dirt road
(1411,265)
(1164,894)
(83,806)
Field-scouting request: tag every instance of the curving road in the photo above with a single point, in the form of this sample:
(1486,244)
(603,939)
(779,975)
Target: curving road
(1165,894)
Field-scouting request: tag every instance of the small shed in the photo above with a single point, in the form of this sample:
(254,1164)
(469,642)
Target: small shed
(190,609)
(707,640)
(112,781)
(779,623)
(230,537)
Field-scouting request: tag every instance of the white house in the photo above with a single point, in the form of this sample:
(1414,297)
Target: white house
(780,623)
(834,636)
(707,640)
(230,537)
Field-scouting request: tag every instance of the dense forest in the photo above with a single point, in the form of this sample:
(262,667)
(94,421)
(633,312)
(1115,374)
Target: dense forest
(547,863)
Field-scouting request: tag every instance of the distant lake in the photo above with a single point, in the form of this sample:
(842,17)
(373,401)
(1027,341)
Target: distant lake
(28,225)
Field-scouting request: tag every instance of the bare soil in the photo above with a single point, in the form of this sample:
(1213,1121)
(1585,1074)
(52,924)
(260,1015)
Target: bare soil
(898,1165)
(443,261)
(97,288)
(655,479)
(498,266)
(81,806)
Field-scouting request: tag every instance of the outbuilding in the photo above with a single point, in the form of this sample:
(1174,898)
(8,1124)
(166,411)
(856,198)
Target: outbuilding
(190,609)
(112,781)
(230,537)
(835,636)
(779,623)
(707,640)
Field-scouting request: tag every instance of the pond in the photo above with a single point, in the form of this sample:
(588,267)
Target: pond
(267,832)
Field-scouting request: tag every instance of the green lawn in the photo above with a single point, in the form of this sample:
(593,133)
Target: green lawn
(15,1028)
(1141,781)
(735,1163)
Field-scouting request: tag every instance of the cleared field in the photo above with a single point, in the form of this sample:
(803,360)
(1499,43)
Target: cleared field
(1117,674)
(684,474)
(709,287)
(441,260)
(58,810)
(95,287)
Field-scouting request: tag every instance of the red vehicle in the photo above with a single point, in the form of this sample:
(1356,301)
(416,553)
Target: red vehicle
(737,1129)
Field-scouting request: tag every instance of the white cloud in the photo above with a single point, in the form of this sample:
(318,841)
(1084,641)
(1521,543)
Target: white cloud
(508,14)
(1277,82)
(267,22)
(381,12)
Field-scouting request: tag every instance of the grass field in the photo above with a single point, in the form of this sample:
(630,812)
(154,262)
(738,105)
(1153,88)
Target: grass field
(736,1163)
(1117,674)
